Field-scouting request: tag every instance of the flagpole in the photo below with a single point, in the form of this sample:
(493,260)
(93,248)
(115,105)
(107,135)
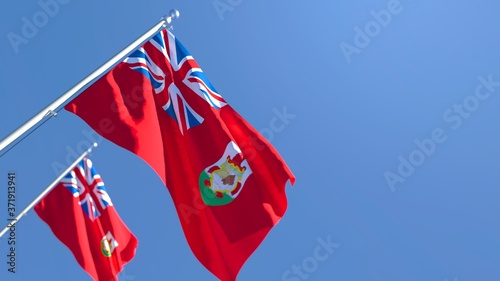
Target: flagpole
(51,110)
(47,190)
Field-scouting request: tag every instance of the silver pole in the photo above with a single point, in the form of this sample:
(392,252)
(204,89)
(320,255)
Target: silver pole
(47,190)
(51,110)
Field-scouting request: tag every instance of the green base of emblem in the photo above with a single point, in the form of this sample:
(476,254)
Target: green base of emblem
(209,197)
(105,248)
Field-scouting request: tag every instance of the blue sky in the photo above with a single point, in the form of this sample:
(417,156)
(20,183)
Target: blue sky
(392,132)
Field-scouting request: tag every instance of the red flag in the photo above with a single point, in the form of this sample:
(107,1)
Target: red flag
(227,181)
(82,216)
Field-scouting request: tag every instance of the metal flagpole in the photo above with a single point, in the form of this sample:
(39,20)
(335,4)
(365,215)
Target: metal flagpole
(51,110)
(46,191)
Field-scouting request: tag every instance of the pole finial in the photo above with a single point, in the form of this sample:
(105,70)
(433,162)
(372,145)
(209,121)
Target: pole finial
(94,145)
(172,15)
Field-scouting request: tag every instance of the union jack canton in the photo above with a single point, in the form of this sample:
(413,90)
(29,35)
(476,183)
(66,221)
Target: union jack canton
(86,185)
(171,71)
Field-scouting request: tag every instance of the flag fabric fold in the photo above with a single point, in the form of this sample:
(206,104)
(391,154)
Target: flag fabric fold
(81,215)
(227,182)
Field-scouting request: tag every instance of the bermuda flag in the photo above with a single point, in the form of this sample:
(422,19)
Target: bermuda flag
(227,182)
(82,216)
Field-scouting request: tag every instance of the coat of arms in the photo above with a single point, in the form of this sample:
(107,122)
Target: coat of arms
(108,244)
(221,182)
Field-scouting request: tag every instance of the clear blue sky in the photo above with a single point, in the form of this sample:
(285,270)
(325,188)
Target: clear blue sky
(394,139)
